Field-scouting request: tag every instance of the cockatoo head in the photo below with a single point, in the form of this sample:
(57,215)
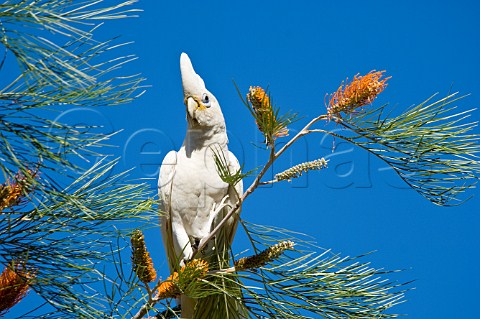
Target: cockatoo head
(203,110)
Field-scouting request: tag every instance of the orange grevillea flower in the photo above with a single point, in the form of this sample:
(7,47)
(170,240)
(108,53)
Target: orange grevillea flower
(356,94)
(168,288)
(142,262)
(259,99)
(267,121)
(12,192)
(10,195)
(14,283)
(178,281)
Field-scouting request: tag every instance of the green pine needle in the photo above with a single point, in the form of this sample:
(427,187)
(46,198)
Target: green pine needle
(307,284)
(64,233)
(430,146)
(223,169)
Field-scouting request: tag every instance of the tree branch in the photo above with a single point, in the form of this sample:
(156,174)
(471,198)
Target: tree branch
(257,181)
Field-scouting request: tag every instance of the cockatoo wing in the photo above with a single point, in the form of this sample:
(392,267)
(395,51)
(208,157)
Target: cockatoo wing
(165,182)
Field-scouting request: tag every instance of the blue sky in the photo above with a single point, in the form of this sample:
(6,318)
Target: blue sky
(303,51)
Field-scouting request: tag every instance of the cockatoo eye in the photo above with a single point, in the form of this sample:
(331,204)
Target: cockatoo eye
(206,100)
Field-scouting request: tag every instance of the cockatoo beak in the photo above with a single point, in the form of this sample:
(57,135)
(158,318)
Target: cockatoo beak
(193,85)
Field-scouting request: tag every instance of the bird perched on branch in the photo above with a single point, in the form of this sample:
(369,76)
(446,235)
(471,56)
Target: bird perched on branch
(193,197)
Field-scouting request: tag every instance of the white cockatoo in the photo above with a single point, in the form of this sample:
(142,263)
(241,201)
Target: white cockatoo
(193,198)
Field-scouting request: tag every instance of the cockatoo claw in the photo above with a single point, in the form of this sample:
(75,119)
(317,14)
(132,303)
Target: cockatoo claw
(218,208)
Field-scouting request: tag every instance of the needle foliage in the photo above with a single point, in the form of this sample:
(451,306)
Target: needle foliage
(59,221)
(431,146)
(63,230)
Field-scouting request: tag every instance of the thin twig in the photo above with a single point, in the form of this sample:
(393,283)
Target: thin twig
(143,310)
(149,291)
(273,181)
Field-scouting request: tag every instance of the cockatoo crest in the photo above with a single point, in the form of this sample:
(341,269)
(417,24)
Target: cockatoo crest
(192,82)
(203,109)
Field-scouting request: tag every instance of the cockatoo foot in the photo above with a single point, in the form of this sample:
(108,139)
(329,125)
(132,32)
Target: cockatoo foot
(216,208)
